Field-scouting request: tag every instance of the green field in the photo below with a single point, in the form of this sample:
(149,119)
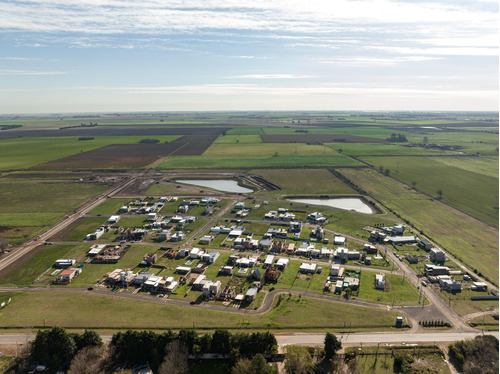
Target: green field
(378,149)
(78,230)
(238,139)
(399,290)
(108,312)
(468,184)
(21,153)
(255,161)
(471,241)
(109,206)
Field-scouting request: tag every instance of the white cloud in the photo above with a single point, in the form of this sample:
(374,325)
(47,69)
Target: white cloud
(375,61)
(29,72)
(272,76)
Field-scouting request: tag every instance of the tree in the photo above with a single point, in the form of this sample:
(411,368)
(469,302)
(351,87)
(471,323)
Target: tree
(298,360)
(347,292)
(332,345)
(89,360)
(53,347)
(88,338)
(381,168)
(188,338)
(387,172)
(176,360)
(413,184)
(440,194)
(220,342)
(340,150)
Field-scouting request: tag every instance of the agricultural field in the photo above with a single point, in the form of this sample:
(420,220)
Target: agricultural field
(468,184)
(471,241)
(304,314)
(26,152)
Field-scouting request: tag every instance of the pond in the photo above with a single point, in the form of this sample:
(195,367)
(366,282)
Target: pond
(217,184)
(346,203)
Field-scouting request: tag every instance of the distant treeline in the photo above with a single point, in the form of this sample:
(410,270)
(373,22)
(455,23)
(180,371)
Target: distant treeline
(8,127)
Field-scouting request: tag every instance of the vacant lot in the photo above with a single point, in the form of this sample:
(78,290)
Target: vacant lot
(31,309)
(470,240)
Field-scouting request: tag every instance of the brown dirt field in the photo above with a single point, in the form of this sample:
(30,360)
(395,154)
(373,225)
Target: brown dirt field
(125,156)
(318,138)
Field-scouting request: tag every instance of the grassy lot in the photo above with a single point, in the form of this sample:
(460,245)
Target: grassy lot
(371,131)
(471,241)
(78,230)
(311,181)
(31,267)
(256,161)
(21,153)
(468,184)
(490,323)
(462,304)
(109,206)
(268,149)
(70,310)
(402,292)
(367,362)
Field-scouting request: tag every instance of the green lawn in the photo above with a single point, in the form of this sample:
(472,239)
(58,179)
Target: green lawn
(471,241)
(21,153)
(468,184)
(77,231)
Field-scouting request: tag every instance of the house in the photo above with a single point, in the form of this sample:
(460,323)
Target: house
(152,217)
(341,254)
(290,249)
(287,216)
(226,270)
(67,275)
(265,243)
(272,214)
(338,286)
(307,268)
(352,283)
(164,235)
(183,209)
(96,249)
(269,260)
(97,234)
(200,282)
(210,258)
(211,289)
(437,255)
(370,249)
(400,240)
(315,216)
(149,259)
(194,253)
(318,233)
(272,273)
(251,294)
(336,272)
(194,203)
(113,219)
(434,270)
(281,233)
(178,237)
(151,284)
(141,278)
(123,209)
(64,263)
(277,247)
(425,244)
(240,205)
(295,226)
(282,263)
(246,262)
(450,285)
(353,255)
(205,240)
(339,240)
(380,281)
(182,269)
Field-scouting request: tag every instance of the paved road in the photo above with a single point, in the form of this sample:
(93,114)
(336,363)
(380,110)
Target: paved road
(318,338)
(375,338)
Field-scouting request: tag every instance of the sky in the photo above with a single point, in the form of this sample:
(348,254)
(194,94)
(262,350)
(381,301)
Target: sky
(61,56)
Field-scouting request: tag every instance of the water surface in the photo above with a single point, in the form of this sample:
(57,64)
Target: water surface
(346,203)
(225,185)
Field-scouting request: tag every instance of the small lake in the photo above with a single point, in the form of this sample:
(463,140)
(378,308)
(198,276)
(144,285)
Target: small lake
(346,203)
(217,184)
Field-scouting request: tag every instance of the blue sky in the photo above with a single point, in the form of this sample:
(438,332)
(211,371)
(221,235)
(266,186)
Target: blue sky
(147,55)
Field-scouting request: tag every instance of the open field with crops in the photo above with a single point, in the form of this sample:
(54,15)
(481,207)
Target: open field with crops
(471,241)
(455,177)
